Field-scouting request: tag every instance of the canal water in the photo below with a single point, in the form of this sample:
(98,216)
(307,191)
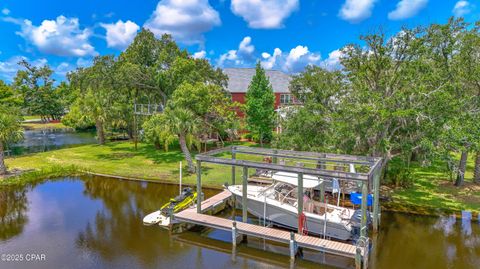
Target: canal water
(93,222)
(50,139)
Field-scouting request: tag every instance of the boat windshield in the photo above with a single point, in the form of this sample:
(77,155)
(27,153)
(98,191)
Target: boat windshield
(287,194)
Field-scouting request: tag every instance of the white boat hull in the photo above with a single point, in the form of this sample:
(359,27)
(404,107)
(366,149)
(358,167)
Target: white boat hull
(156,218)
(281,216)
(152,218)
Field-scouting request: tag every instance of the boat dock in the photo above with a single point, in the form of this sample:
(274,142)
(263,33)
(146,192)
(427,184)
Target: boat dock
(368,181)
(295,240)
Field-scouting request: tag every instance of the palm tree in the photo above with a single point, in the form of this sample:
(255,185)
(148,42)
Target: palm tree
(183,123)
(10,131)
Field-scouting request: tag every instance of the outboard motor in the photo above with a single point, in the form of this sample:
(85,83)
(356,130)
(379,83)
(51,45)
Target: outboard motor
(356,221)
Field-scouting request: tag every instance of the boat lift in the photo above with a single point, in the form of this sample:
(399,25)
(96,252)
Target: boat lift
(367,176)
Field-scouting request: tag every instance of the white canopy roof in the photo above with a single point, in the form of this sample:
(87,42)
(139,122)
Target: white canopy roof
(309,181)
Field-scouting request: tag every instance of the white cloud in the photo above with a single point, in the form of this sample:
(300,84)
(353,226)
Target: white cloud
(299,57)
(333,60)
(63,68)
(9,67)
(462,8)
(185,20)
(120,34)
(81,62)
(246,48)
(356,10)
(264,14)
(292,62)
(5,11)
(61,37)
(243,55)
(269,61)
(406,9)
(199,54)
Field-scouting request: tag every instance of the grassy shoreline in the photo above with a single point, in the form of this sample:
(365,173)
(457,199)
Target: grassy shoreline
(120,159)
(432,192)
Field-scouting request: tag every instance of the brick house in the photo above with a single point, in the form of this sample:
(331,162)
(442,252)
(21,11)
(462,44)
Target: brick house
(239,80)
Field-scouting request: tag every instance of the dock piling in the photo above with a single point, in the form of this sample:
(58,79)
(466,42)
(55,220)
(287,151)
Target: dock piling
(358,258)
(234,233)
(293,250)
(244,194)
(233,166)
(376,202)
(199,186)
(322,192)
(363,227)
(300,201)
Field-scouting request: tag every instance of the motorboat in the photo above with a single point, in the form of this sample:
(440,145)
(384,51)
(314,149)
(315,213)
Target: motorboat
(277,204)
(162,217)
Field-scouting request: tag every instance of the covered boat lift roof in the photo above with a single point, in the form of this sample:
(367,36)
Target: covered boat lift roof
(304,169)
(374,164)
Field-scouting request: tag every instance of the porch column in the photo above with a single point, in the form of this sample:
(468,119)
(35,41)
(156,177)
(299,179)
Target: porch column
(300,200)
(199,186)
(244,194)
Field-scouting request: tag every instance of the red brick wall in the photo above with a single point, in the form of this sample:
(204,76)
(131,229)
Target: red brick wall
(240,97)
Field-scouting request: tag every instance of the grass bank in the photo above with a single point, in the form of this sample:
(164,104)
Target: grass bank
(433,192)
(31,177)
(121,159)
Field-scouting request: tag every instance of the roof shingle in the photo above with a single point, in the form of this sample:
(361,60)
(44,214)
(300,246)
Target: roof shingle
(239,79)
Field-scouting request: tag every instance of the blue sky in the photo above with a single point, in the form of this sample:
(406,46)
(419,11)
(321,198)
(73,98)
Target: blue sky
(283,34)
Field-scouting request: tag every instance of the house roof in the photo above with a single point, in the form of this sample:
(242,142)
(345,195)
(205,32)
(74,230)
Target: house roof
(239,79)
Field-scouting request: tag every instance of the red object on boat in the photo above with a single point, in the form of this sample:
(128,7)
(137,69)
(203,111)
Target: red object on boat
(302,223)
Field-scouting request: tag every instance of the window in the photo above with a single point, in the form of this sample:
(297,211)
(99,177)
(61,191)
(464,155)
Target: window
(286,99)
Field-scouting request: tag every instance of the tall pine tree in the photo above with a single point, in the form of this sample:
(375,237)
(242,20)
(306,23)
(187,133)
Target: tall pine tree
(259,106)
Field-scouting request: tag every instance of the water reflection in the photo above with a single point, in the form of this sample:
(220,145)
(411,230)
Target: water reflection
(467,222)
(50,139)
(97,223)
(13,209)
(445,224)
(409,241)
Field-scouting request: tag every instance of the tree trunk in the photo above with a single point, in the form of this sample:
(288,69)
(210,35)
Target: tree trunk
(462,167)
(3,168)
(476,174)
(100,132)
(261,140)
(183,145)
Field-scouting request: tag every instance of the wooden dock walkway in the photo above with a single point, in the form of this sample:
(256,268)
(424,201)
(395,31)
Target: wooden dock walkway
(310,242)
(215,200)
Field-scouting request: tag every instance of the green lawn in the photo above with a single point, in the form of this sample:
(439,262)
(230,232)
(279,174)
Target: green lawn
(40,125)
(32,117)
(432,190)
(121,159)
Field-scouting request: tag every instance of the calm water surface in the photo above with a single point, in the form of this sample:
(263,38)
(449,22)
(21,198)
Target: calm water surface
(95,222)
(50,139)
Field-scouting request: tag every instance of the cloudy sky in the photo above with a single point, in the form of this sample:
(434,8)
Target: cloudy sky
(285,35)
